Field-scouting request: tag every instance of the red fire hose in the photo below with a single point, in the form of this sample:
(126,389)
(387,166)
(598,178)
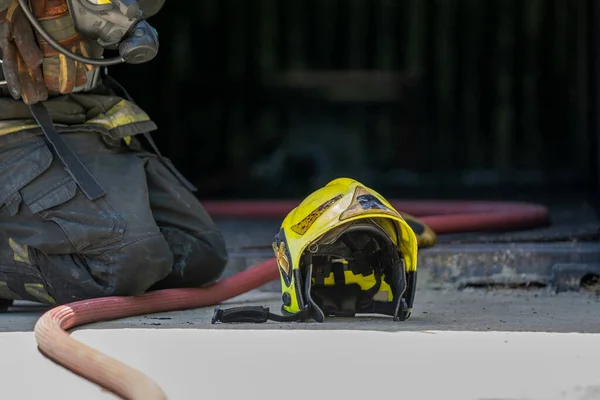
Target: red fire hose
(128,383)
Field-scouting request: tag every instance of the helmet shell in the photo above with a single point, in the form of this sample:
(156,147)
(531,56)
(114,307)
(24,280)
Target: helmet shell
(341,201)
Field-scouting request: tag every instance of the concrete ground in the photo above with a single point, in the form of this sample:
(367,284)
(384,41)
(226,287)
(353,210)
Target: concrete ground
(534,310)
(474,344)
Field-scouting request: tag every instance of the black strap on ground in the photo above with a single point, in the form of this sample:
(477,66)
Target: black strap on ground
(84,179)
(255,314)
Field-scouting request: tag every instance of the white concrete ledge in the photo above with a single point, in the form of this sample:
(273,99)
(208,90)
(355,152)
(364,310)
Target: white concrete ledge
(301,364)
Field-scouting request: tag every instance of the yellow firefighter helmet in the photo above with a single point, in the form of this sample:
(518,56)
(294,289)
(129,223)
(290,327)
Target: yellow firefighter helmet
(345,251)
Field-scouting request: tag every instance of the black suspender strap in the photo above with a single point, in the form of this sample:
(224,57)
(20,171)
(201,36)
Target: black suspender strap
(84,179)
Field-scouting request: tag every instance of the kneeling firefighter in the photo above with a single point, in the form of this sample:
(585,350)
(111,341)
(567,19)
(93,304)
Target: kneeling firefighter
(343,251)
(88,205)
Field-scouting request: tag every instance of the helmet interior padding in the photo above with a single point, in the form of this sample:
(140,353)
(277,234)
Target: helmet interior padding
(348,275)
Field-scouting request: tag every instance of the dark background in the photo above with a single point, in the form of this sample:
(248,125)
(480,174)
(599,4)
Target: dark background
(444,98)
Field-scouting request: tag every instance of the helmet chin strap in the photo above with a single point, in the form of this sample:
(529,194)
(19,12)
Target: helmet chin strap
(260,314)
(317,313)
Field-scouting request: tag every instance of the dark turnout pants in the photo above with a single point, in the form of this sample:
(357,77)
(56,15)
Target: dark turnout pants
(56,246)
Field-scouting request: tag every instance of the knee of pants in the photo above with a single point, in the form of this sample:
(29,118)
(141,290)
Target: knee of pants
(207,261)
(198,259)
(134,268)
(219,258)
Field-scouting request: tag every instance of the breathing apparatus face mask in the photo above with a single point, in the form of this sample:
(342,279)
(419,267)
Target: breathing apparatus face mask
(114,24)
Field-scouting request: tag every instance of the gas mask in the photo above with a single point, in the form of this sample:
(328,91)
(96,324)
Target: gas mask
(114,24)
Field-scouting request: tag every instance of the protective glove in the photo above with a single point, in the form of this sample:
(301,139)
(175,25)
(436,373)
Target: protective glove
(21,56)
(61,73)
